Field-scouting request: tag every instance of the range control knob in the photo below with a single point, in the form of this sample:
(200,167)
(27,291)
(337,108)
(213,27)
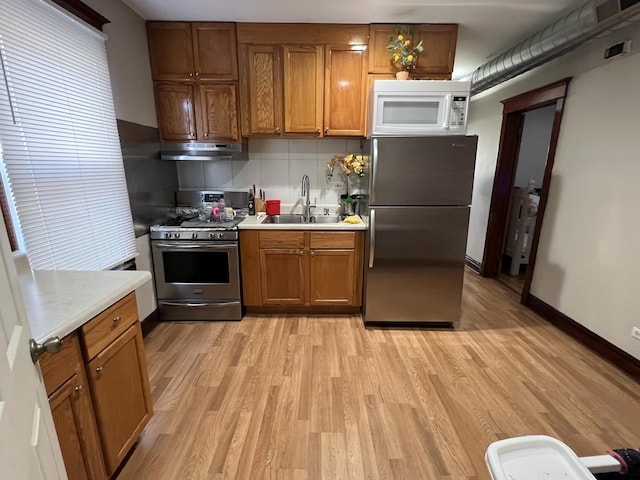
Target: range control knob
(218,236)
(167,235)
(176,235)
(194,236)
(212,235)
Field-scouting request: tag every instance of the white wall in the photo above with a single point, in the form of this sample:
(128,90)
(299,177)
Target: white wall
(534,145)
(586,265)
(275,165)
(128,56)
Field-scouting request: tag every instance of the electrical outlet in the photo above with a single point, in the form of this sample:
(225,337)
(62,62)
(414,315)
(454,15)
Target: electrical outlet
(337,185)
(635,333)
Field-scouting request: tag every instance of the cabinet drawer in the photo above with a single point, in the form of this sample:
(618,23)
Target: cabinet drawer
(319,240)
(59,367)
(108,325)
(280,239)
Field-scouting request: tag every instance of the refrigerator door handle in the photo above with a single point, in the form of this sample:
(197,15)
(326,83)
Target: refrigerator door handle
(374,169)
(372,237)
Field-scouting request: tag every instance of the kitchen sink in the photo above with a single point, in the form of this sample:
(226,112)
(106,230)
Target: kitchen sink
(282,219)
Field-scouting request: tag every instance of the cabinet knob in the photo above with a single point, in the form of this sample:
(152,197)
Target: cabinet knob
(99,370)
(197,74)
(117,319)
(313,254)
(301,252)
(191,134)
(318,130)
(191,74)
(326,130)
(79,388)
(206,134)
(277,129)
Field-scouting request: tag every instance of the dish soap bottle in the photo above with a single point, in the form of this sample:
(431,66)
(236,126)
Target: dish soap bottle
(252,203)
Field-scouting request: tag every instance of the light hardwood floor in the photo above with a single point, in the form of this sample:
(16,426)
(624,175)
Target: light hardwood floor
(324,398)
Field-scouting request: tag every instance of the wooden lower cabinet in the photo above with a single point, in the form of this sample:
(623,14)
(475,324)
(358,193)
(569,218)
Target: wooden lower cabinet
(72,409)
(99,392)
(121,394)
(296,268)
(332,277)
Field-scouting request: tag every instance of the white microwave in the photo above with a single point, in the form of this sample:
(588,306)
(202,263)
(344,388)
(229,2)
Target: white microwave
(418,108)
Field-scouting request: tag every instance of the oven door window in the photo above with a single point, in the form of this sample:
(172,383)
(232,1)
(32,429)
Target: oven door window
(196,267)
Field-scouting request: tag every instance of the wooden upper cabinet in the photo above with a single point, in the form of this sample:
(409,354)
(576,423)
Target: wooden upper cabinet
(181,51)
(439,42)
(379,58)
(176,111)
(214,51)
(218,111)
(345,90)
(170,50)
(261,85)
(303,88)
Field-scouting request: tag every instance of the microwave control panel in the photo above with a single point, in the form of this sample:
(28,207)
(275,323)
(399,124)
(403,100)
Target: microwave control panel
(458,111)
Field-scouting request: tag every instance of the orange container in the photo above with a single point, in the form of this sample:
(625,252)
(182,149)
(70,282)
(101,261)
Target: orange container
(273,207)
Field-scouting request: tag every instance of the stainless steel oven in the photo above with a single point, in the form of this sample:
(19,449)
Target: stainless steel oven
(196,270)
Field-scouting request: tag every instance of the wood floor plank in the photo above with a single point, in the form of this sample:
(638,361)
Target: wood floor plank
(312,397)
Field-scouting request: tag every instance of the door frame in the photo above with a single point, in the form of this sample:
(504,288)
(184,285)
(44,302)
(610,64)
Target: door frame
(513,112)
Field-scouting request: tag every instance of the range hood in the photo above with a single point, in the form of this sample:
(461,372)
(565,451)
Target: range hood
(204,151)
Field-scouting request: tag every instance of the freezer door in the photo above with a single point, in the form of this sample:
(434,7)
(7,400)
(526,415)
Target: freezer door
(415,264)
(422,170)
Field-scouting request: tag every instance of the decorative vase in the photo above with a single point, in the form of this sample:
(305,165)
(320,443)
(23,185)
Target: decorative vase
(402,75)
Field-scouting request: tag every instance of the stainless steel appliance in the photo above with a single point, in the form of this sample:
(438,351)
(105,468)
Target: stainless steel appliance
(196,266)
(420,191)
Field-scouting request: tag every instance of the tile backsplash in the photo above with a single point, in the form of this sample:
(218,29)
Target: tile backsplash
(276,166)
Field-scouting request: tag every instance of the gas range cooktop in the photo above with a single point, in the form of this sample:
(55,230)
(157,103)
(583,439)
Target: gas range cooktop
(194,229)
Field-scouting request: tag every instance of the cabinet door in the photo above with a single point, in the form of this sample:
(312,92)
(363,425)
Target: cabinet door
(439,42)
(218,112)
(303,89)
(170,50)
(121,395)
(74,419)
(175,109)
(282,273)
(262,89)
(332,277)
(379,58)
(214,51)
(345,90)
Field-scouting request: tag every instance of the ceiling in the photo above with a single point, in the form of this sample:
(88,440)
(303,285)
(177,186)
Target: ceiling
(486,27)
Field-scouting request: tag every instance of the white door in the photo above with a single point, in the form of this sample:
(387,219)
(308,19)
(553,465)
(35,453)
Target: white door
(29,447)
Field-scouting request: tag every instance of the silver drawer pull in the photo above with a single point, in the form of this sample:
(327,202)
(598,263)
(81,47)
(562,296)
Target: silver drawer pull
(117,319)
(99,370)
(79,388)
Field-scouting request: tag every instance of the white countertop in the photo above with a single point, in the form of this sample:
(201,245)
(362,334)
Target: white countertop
(255,223)
(60,301)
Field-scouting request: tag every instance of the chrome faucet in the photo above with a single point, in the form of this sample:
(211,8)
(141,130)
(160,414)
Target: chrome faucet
(306,206)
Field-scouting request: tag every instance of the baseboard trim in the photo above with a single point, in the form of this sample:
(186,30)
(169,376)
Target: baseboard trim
(609,351)
(472,264)
(150,323)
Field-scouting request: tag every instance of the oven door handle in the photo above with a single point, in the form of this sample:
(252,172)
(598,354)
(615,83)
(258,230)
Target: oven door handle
(217,304)
(225,246)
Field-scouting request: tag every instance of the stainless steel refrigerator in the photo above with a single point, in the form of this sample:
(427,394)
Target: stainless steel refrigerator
(419,196)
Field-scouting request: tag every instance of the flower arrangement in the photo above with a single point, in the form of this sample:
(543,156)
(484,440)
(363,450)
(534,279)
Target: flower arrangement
(349,164)
(400,48)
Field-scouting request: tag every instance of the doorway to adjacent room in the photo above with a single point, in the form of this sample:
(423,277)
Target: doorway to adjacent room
(530,130)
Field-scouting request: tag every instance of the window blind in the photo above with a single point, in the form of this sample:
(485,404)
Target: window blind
(60,142)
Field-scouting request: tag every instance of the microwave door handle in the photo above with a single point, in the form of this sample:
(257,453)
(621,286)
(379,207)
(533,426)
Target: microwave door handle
(447,111)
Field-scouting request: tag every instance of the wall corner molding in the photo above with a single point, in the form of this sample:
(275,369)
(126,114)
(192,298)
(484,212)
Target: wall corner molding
(591,340)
